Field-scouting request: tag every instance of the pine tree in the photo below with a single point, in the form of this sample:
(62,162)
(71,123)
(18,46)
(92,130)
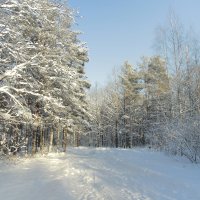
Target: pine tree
(131,99)
(42,67)
(157,99)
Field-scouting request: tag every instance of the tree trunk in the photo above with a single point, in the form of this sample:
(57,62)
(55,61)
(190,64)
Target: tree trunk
(116,134)
(51,140)
(42,139)
(58,137)
(64,140)
(33,142)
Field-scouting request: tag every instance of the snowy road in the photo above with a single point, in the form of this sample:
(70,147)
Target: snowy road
(89,174)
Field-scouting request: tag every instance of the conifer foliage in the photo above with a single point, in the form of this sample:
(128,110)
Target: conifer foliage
(42,79)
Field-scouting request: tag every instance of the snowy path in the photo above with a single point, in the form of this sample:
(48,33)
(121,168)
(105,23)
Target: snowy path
(89,174)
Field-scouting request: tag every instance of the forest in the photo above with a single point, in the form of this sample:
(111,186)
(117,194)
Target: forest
(47,102)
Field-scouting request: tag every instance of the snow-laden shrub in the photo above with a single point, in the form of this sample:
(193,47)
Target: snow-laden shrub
(178,137)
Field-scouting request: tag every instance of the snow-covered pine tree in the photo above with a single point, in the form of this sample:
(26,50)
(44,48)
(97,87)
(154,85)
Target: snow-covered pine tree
(157,98)
(41,77)
(131,99)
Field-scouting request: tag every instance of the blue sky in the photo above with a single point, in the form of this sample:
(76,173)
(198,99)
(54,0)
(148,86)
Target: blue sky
(120,30)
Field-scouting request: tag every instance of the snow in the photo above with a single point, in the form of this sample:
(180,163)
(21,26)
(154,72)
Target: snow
(97,174)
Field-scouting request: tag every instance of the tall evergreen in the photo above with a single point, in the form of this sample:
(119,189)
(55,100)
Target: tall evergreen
(42,71)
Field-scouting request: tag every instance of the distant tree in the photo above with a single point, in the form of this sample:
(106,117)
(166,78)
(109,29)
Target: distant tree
(157,98)
(131,99)
(180,48)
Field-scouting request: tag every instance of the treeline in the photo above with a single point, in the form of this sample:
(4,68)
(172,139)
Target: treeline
(43,101)
(42,79)
(156,103)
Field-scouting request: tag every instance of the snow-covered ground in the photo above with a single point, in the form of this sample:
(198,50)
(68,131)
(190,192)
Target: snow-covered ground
(97,174)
